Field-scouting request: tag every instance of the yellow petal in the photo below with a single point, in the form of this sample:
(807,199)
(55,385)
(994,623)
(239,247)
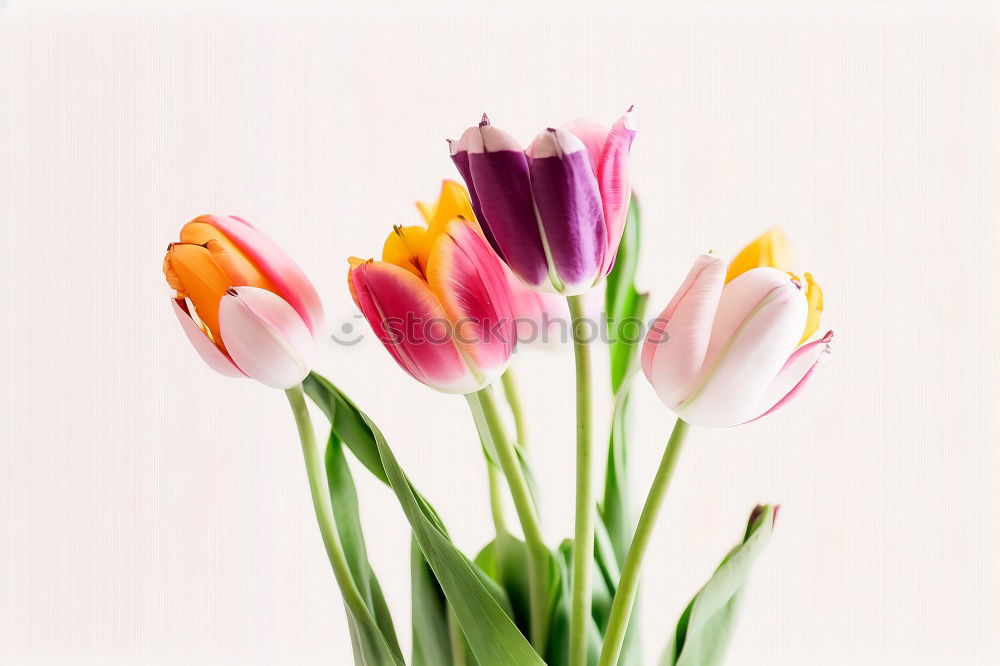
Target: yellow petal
(770,249)
(453,202)
(814,297)
(408,247)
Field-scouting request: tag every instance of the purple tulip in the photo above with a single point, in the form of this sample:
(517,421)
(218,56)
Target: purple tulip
(555,212)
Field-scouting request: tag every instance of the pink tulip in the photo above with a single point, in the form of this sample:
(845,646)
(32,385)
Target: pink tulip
(440,304)
(722,354)
(244,304)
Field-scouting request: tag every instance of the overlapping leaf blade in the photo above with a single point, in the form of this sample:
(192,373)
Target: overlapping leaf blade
(493,637)
(479,604)
(373,634)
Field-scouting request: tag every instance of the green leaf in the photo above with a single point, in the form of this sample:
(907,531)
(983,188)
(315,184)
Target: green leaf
(623,303)
(345,420)
(491,634)
(557,653)
(373,636)
(625,307)
(457,576)
(706,625)
(431,640)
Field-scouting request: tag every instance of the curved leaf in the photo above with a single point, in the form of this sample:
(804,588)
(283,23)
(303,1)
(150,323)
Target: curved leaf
(705,627)
(373,636)
(491,634)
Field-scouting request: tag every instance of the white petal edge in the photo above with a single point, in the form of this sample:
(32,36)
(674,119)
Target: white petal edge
(265,337)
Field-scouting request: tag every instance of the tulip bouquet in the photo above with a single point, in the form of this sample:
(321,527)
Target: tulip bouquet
(535,231)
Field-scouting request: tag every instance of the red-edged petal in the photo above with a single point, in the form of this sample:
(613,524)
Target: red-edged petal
(408,319)
(266,337)
(470,284)
(209,352)
(615,182)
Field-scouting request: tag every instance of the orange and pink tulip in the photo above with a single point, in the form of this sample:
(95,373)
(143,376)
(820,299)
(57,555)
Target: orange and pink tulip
(247,308)
(439,300)
(728,351)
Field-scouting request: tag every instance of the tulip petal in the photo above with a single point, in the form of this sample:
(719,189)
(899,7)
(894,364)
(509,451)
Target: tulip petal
(453,202)
(593,135)
(460,157)
(412,325)
(209,352)
(758,323)
(265,256)
(192,270)
(768,249)
(569,205)
(615,182)
(794,375)
(470,283)
(674,351)
(498,174)
(266,337)
(814,296)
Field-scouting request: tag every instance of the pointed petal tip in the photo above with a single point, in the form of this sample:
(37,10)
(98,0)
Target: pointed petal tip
(628,119)
(485,121)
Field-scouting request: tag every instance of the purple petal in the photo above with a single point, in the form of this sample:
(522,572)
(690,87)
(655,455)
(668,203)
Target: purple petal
(569,204)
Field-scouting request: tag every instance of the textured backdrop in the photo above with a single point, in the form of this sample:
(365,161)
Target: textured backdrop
(152,512)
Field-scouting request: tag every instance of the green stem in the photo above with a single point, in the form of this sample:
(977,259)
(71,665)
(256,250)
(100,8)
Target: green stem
(318,486)
(628,584)
(538,572)
(514,400)
(583,534)
(496,500)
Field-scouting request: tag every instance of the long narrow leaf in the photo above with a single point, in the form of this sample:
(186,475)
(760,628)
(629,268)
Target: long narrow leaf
(490,632)
(374,635)
(431,642)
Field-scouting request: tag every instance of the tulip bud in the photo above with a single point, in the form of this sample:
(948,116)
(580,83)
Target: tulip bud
(722,354)
(439,300)
(244,304)
(555,213)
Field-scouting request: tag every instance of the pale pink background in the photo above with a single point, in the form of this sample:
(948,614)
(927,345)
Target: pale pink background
(152,512)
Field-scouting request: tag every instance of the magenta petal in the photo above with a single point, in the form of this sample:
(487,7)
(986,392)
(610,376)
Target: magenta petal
(410,322)
(472,287)
(615,182)
(209,352)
